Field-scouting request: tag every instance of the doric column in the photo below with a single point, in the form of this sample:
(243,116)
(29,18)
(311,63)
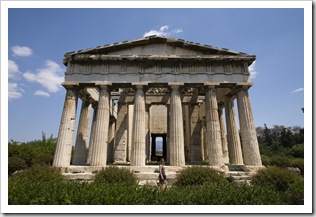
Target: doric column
(168,133)
(110,151)
(187,132)
(214,143)
(223,135)
(249,140)
(99,151)
(147,132)
(176,128)
(130,122)
(204,151)
(234,146)
(82,143)
(92,133)
(138,154)
(67,127)
(120,141)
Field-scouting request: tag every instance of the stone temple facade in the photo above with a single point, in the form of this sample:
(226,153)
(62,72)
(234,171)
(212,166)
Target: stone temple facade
(136,91)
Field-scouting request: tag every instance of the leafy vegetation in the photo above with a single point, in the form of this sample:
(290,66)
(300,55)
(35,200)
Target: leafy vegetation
(285,149)
(48,188)
(288,183)
(33,181)
(198,175)
(114,175)
(24,155)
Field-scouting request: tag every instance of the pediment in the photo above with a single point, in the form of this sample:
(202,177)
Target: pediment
(157,46)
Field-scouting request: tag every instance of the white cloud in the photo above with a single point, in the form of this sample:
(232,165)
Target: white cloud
(49,77)
(41,93)
(252,70)
(163,31)
(14,92)
(22,51)
(13,69)
(298,90)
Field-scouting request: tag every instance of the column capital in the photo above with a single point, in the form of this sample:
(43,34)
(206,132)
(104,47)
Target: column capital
(139,84)
(175,84)
(70,85)
(244,85)
(103,85)
(211,84)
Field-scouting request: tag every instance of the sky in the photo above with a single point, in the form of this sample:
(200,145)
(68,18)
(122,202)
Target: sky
(38,39)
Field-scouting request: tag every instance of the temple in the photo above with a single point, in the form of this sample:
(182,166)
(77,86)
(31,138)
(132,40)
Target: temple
(136,91)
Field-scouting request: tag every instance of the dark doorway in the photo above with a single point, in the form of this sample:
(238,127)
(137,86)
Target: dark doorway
(158,146)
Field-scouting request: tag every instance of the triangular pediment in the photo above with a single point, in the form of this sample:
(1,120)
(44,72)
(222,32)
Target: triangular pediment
(158,45)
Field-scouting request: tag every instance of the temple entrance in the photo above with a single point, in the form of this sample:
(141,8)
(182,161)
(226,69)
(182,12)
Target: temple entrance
(158,146)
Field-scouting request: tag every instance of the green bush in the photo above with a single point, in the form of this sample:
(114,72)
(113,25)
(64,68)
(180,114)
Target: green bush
(198,175)
(297,151)
(15,164)
(38,173)
(295,193)
(289,183)
(299,163)
(280,161)
(114,175)
(43,159)
(102,193)
(265,160)
(34,152)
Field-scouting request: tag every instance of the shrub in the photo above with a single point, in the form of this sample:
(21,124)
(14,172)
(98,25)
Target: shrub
(295,193)
(280,161)
(297,151)
(38,173)
(113,175)
(16,163)
(287,182)
(198,175)
(265,160)
(43,159)
(299,163)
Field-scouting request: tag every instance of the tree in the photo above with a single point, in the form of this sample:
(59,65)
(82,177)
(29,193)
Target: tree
(267,136)
(286,138)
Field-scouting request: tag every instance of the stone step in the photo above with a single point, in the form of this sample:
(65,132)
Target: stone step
(90,169)
(238,173)
(153,176)
(235,167)
(146,174)
(78,176)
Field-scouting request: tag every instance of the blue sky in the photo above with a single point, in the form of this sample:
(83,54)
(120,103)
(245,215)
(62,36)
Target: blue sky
(38,39)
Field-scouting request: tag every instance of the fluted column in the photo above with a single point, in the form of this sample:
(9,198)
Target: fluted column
(67,128)
(204,151)
(138,154)
(223,135)
(249,140)
(168,133)
(110,150)
(99,151)
(234,146)
(187,132)
(82,143)
(92,134)
(147,133)
(176,128)
(214,143)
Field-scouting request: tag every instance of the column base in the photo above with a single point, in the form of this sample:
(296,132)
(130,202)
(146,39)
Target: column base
(249,168)
(121,163)
(221,169)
